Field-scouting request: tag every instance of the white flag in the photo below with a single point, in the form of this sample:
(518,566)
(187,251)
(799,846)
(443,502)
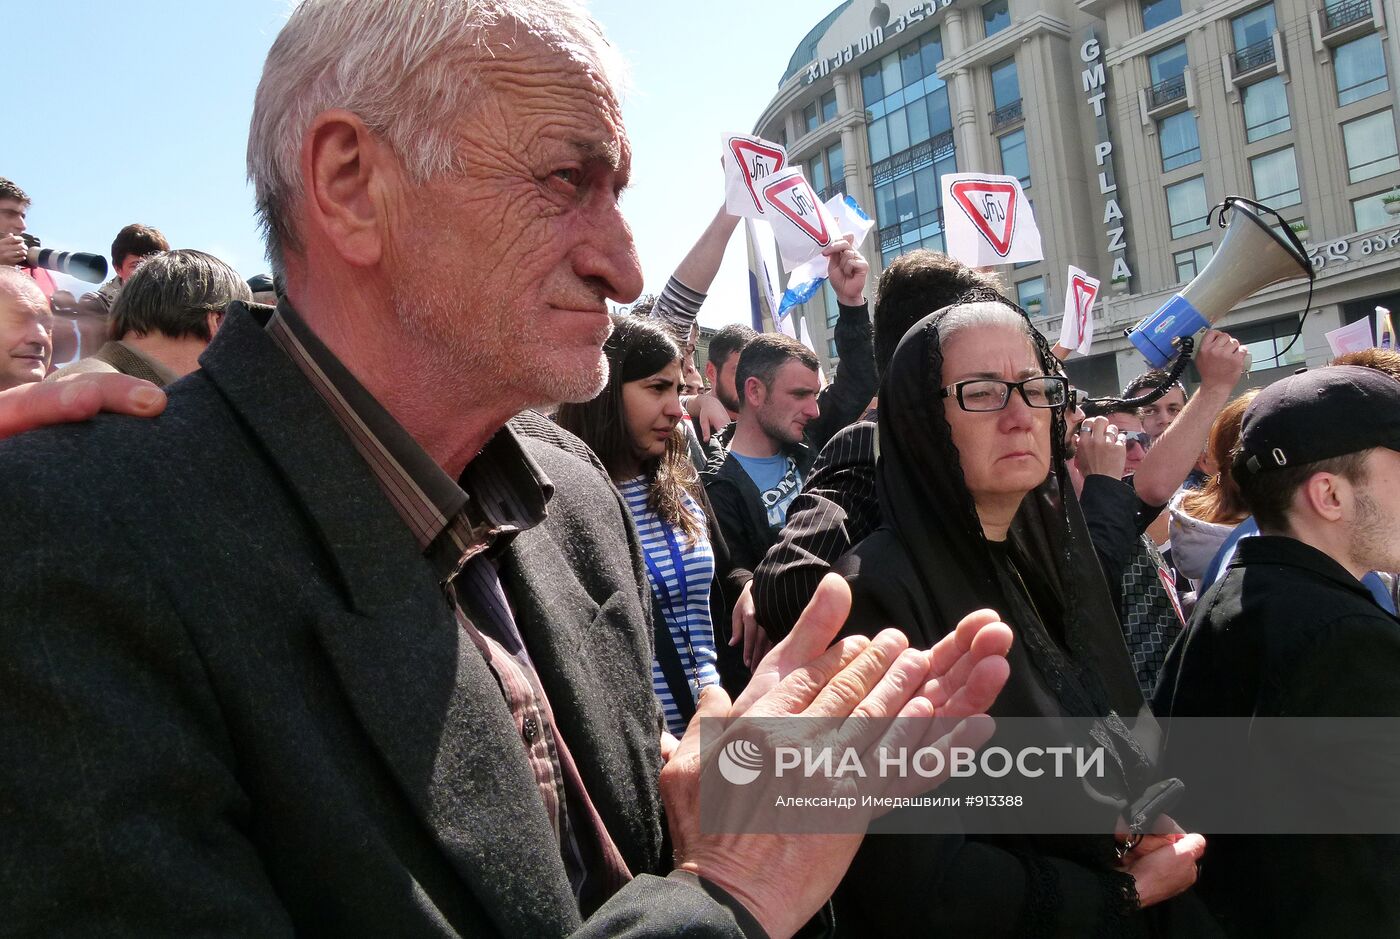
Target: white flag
(765,251)
(987,220)
(748,161)
(850,218)
(806,339)
(1077,332)
(803,226)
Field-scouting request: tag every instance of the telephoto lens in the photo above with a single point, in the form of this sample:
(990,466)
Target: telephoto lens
(89,267)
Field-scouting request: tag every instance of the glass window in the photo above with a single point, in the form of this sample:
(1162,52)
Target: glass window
(809,117)
(879,139)
(996,16)
(836,166)
(940,116)
(872,89)
(1370,212)
(1192,261)
(899,131)
(1370,143)
(885,214)
(1006,89)
(1276,178)
(1266,340)
(1266,109)
(917,114)
(816,174)
(1180,142)
(906,205)
(911,66)
(828,103)
(1255,26)
(889,72)
(833,310)
(1157,12)
(1014,161)
(1360,69)
(931,51)
(1031,290)
(1169,63)
(1186,206)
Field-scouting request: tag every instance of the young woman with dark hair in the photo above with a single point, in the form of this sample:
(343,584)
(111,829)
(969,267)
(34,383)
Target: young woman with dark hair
(634,426)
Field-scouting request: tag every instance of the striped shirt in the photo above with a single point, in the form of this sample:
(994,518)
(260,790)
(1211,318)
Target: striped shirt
(461,529)
(680,575)
(676,307)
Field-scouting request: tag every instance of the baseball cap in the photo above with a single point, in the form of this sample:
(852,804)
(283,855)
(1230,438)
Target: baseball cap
(1317,415)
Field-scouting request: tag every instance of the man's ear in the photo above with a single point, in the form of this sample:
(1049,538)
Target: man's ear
(711,374)
(753,392)
(348,172)
(1326,495)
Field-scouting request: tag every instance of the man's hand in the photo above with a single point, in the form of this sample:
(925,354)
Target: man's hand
(710,416)
(783,879)
(744,628)
(77,398)
(1101,449)
(1221,361)
(846,269)
(1164,866)
(13,250)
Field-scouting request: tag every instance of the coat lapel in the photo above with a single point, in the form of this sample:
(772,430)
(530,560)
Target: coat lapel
(420,689)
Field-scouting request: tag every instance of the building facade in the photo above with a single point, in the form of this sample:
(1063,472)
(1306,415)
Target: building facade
(1126,121)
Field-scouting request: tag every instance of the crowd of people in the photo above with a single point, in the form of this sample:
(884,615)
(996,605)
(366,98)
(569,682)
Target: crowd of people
(337,606)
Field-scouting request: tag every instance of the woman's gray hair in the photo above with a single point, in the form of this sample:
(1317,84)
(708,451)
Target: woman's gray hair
(985,313)
(173,293)
(407,68)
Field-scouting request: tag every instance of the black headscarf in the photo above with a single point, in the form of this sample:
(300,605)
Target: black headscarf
(930,565)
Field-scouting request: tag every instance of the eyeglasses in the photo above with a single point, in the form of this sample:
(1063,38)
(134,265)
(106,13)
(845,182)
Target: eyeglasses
(1140,437)
(991,394)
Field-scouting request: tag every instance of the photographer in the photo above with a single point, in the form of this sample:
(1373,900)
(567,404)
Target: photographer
(133,244)
(14,250)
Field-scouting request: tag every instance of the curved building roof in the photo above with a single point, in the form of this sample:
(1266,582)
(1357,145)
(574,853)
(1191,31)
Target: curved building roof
(806,50)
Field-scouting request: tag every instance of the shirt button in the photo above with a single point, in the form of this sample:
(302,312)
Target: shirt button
(531,729)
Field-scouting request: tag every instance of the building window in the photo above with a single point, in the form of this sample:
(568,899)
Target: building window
(828,104)
(1157,12)
(1170,63)
(1369,212)
(1031,290)
(1181,145)
(1276,178)
(833,309)
(1192,261)
(1256,26)
(1360,69)
(996,16)
(912,102)
(1006,88)
(1370,144)
(1266,340)
(1266,109)
(810,120)
(1013,157)
(1186,207)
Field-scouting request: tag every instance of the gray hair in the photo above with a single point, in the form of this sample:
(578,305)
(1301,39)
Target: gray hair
(20,283)
(173,294)
(984,313)
(407,68)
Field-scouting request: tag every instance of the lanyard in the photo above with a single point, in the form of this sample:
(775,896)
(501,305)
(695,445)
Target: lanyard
(678,565)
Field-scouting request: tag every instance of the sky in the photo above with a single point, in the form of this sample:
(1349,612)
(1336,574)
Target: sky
(138,112)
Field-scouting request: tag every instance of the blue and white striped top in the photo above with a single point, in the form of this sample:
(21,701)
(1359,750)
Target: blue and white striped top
(684,598)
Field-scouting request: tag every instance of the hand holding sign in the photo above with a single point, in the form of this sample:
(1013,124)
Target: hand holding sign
(988,221)
(1077,332)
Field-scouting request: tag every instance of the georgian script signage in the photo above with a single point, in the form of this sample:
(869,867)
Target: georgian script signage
(1095,83)
(1341,250)
(874,38)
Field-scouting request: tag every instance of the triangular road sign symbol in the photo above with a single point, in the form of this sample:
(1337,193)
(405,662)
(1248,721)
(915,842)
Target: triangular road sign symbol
(794,198)
(1084,294)
(757,161)
(992,208)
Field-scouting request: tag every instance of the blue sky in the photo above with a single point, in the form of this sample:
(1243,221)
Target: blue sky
(138,112)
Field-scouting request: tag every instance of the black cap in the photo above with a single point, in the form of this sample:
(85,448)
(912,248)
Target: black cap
(1320,414)
(261,283)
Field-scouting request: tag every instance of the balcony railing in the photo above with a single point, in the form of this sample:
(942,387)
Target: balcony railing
(1338,15)
(833,189)
(1167,91)
(1006,114)
(1255,55)
(892,236)
(916,157)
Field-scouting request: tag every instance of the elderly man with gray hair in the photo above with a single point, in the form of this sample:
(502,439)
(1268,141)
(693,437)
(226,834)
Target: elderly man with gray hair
(164,318)
(392,677)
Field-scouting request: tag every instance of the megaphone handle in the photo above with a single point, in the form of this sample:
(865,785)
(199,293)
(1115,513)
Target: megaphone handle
(1187,345)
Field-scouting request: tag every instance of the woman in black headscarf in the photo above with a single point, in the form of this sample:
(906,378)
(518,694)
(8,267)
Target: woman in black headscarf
(979,513)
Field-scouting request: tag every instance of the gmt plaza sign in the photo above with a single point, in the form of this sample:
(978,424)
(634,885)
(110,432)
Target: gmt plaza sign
(874,38)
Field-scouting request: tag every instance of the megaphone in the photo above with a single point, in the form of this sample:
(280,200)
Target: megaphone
(1252,256)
